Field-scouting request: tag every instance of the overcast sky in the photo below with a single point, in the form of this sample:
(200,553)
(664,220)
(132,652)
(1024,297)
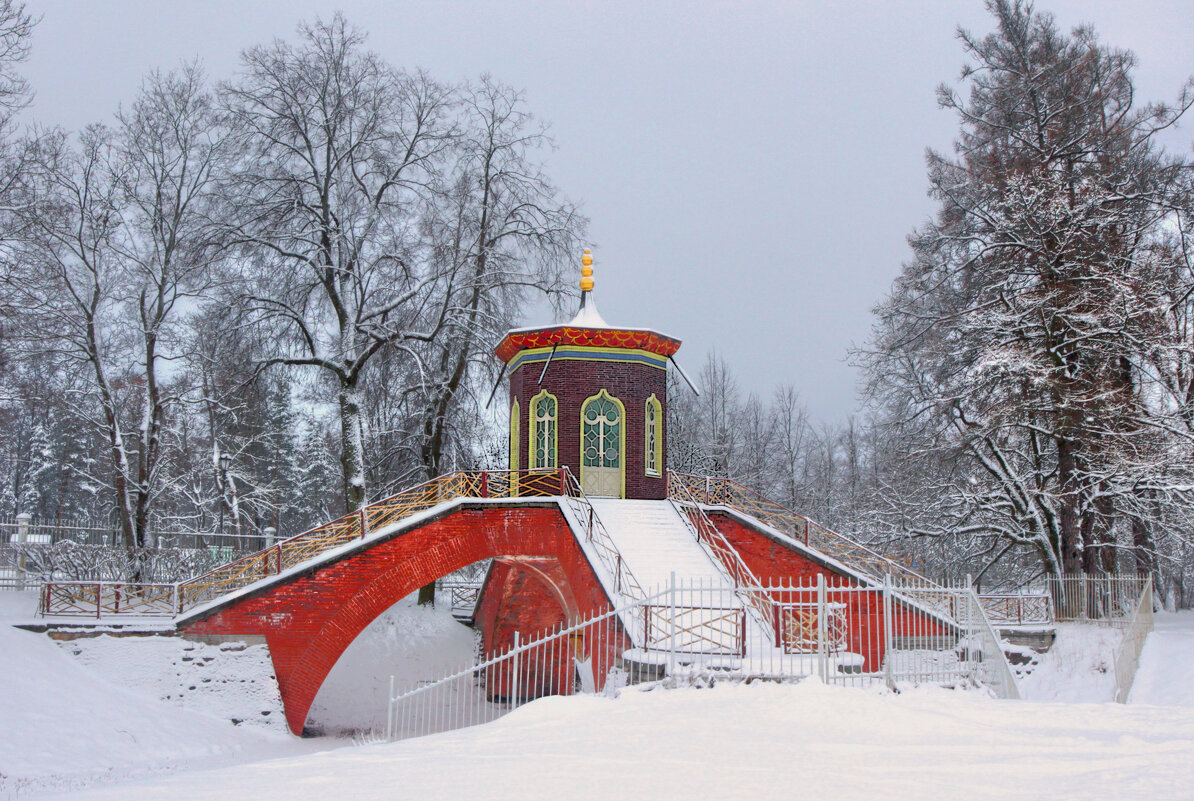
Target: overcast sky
(751,169)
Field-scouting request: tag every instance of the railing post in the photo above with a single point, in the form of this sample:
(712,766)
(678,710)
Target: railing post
(99,592)
(390,712)
(175,602)
(706,490)
(484,483)
(671,659)
(822,647)
(270,532)
(887,638)
(364,530)
(563,481)
(23,520)
(514,675)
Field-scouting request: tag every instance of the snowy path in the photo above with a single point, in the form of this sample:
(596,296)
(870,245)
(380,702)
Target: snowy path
(654,542)
(821,743)
(1166,673)
(68,729)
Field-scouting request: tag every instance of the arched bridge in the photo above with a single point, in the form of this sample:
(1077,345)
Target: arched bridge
(311,595)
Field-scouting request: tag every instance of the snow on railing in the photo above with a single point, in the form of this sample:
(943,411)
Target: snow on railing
(724,492)
(723,555)
(1127,656)
(66,598)
(704,491)
(594,533)
(75,598)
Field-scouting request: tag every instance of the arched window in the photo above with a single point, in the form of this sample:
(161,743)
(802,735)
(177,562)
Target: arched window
(602,446)
(514,437)
(653,447)
(542,442)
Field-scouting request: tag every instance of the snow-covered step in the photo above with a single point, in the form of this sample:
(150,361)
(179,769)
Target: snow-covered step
(654,542)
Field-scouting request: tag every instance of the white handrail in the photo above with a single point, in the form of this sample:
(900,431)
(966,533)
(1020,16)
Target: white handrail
(1127,655)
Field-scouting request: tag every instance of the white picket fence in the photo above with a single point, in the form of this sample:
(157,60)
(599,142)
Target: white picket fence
(845,634)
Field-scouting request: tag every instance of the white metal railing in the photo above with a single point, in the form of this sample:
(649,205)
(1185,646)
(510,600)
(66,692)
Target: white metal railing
(1127,655)
(723,555)
(594,533)
(1109,600)
(1032,608)
(845,633)
(585,656)
(990,663)
(462,596)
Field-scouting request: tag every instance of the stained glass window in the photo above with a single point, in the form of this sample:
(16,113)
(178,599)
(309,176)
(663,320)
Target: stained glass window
(514,435)
(601,429)
(543,431)
(653,450)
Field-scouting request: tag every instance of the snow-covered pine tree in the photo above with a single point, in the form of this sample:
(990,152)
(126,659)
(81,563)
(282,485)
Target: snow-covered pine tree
(1012,350)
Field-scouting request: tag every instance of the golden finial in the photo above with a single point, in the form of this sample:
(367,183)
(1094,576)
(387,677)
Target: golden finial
(586,281)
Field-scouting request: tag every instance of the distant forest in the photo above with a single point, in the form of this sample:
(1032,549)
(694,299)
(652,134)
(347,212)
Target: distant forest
(266,299)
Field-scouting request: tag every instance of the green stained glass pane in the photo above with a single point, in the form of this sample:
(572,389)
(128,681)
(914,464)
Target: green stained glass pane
(602,433)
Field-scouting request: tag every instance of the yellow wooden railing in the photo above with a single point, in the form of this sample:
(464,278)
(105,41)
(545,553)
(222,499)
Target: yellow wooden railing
(357,525)
(94,598)
(723,492)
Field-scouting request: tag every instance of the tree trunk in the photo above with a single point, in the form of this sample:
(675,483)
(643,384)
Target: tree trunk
(1071,533)
(352,443)
(427,594)
(1142,546)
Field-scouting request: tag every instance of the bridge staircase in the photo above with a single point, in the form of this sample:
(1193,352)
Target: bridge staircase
(633,546)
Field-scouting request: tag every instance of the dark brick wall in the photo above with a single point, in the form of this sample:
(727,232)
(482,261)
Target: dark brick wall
(574,381)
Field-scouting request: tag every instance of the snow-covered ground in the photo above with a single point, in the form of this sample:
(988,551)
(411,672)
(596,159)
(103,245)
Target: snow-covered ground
(1079,668)
(1166,673)
(806,741)
(70,728)
(64,726)
(410,642)
(106,709)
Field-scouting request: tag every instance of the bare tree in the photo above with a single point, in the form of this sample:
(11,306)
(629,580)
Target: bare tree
(114,254)
(501,230)
(338,152)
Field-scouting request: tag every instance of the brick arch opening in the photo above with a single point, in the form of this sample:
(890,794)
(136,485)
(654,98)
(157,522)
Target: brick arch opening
(309,620)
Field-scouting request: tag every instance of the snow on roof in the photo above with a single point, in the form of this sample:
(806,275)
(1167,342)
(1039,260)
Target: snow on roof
(588,319)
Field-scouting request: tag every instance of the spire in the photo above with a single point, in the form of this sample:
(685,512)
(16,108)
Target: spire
(586,271)
(587,314)
(586,280)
